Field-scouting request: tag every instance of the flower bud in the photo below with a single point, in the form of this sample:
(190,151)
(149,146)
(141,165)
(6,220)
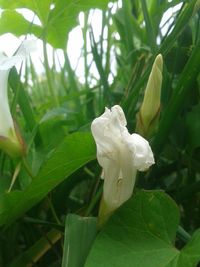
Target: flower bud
(148,115)
(10,139)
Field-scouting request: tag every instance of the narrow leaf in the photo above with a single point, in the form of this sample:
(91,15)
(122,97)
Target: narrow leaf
(79,236)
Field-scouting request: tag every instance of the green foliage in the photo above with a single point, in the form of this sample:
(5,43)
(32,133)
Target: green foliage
(142,233)
(60,164)
(56,185)
(56,20)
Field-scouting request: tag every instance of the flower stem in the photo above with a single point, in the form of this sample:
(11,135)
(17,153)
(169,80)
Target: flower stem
(184,236)
(27,168)
(94,201)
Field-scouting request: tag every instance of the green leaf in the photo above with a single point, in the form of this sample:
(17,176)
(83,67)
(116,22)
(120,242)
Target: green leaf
(64,17)
(13,22)
(79,236)
(185,15)
(40,8)
(142,233)
(185,83)
(56,23)
(75,151)
(23,100)
(149,28)
(190,254)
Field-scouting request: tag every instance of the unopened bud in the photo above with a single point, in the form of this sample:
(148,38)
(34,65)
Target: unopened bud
(149,112)
(12,143)
(10,139)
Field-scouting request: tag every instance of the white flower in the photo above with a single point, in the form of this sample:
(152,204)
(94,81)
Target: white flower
(10,142)
(120,154)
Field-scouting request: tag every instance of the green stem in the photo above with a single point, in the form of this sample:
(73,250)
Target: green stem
(34,221)
(22,99)
(27,168)
(107,98)
(93,202)
(84,32)
(183,234)
(48,73)
(53,211)
(15,98)
(149,28)
(72,79)
(34,253)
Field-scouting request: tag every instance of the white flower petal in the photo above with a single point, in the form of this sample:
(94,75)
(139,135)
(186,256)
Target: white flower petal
(107,129)
(120,155)
(6,121)
(27,47)
(24,50)
(142,153)
(8,63)
(7,129)
(111,184)
(117,114)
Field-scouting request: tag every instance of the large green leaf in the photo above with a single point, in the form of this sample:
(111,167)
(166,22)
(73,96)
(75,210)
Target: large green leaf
(12,21)
(142,233)
(64,17)
(40,8)
(76,150)
(56,21)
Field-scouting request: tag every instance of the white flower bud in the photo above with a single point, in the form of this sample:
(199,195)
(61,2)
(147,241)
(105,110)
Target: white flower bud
(10,141)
